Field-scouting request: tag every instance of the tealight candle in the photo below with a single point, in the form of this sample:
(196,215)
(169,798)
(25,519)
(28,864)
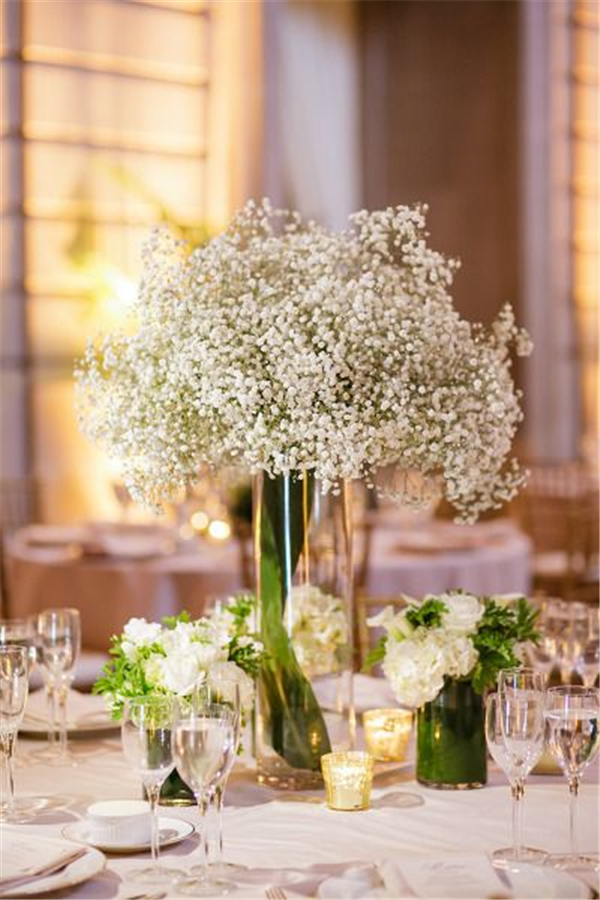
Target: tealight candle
(387,732)
(348,776)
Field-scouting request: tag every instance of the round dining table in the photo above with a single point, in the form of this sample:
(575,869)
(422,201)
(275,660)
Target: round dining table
(294,841)
(111,573)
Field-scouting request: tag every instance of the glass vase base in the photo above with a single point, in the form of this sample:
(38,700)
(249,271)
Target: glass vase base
(204,887)
(177,801)
(448,786)
(505,856)
(276,773)
(155,875)
(573,861)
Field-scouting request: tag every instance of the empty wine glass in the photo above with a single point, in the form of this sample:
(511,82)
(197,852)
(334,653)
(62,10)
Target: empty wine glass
(14,686)
(515,735)
(204,749)
(587,663)
(59,643)
(572,735)
(146,734)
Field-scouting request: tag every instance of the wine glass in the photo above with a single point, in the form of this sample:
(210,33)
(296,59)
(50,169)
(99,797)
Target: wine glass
(204,749)
(146,734)
(587,662)
(572,735)
(222,691)
(14,687)
(518,712)
(59,643)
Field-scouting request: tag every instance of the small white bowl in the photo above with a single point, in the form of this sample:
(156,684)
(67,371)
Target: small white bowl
(119,822)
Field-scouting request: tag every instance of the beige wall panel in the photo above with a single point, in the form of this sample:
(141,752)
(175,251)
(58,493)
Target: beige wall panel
(11,257)
(110,104)
(58,328)
(9,16)
(100,27)
(64,459)
(13,426)
(52,269)
(587,46)
(12,336)
(10,188)
(65,179)
(9,95)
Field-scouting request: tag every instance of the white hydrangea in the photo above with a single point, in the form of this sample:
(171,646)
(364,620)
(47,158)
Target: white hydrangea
(138,633)
(282,346)
(415,670)
(417,658)
(320,630)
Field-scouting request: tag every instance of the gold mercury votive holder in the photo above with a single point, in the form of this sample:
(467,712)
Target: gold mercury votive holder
(348,776)
(387,733)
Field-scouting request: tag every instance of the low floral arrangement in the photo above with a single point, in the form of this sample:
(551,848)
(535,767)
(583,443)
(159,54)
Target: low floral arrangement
(450,636)
(178,655)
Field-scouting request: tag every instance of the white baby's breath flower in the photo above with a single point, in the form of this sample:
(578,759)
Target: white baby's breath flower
(282,346)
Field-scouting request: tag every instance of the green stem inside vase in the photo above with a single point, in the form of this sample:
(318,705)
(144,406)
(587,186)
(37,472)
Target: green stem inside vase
(292,716)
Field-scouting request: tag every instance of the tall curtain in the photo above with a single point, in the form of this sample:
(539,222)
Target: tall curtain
(312,140)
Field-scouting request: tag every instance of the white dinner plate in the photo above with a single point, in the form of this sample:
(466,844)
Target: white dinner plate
(86,714)
(82,869)
(171,831)
(531,882)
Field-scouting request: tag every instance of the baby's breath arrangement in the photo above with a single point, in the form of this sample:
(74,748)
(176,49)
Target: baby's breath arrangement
(282,346)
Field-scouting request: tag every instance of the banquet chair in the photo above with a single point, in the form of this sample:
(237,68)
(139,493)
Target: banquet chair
(18,507)
(558,510)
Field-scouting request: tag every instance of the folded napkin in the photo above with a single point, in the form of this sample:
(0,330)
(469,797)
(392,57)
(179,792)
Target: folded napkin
(455,876)
(28,858)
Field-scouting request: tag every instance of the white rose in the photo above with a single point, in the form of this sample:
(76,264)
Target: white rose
(177,674)
(464,612)
(139,632)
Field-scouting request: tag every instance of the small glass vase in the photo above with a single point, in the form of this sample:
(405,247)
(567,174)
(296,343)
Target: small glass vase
(451,749)
(175,792)
(303,556)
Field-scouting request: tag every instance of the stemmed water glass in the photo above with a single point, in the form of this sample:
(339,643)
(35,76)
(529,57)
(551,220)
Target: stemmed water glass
(223,691)
(146,734)
(515,735)
(572,735)
(59,643)
(204,748)
(14,686)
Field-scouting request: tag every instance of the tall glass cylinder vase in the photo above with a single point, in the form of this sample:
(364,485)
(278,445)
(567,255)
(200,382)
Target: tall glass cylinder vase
(303,554)
(451,749)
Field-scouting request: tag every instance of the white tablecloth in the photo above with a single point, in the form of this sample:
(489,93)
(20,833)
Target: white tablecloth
(275,830)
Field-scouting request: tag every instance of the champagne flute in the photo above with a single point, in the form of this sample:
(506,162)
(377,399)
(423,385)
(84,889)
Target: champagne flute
(519,711)
(572,714)
(59,642)
(146,733)
(203,747)
(14,686)
(226,692)
(497,748)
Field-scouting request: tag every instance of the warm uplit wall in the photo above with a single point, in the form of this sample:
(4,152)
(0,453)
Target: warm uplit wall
(585,84)
(105,126)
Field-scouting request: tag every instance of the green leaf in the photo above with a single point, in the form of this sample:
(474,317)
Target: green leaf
(375,655)
(428,614)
